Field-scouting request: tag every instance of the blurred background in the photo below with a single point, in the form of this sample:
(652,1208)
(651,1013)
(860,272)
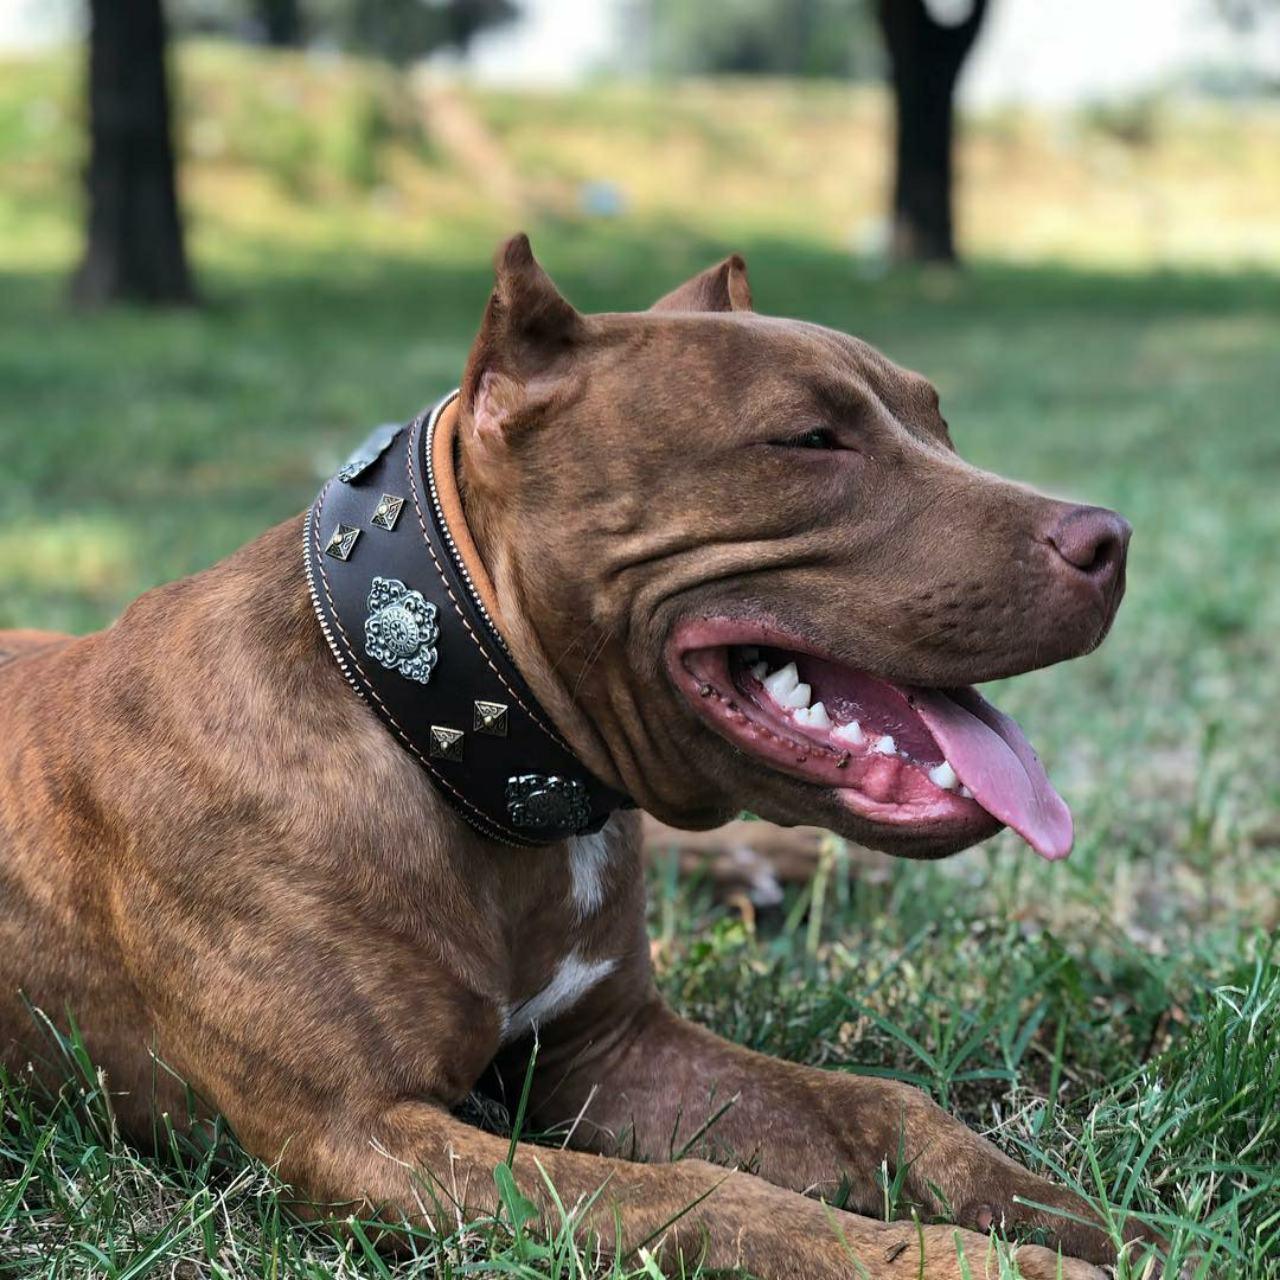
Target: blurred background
(1065,213)
(234,234)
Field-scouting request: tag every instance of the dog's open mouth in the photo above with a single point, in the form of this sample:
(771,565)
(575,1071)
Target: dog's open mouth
(895,754)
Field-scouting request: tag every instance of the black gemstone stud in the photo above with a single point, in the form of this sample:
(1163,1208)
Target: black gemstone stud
(542,802)
(341,542)
(491,718)
(446,743)
(374,445)
(388,512)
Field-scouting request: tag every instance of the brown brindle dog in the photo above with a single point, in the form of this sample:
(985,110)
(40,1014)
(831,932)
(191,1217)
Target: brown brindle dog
(213,854)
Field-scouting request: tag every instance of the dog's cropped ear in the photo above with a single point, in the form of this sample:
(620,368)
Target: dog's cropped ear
(527,331)
(723,287)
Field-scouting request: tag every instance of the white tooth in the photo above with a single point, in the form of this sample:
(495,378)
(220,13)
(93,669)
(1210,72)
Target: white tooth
(798,697)
(782,682)
(964,791)
(885,746)
(814,717)
(760,670)
(850,733)
(944,776)
(818,718)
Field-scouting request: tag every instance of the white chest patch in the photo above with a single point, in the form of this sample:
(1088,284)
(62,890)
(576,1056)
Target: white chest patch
(589,858)
(573,978)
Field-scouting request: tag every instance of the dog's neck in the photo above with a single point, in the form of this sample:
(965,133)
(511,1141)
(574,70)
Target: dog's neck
(415,623)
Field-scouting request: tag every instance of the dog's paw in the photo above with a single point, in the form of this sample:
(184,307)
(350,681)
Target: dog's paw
(1069,1230)
(1036,1263)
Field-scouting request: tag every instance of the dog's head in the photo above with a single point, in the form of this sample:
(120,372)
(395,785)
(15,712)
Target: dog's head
(762,575)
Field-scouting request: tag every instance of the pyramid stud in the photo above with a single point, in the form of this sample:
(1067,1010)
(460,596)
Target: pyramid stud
(446,743)
(491,718)
(387,512)
(342,542)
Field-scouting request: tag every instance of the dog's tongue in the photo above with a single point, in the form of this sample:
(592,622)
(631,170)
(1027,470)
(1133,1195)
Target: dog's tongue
(993,758)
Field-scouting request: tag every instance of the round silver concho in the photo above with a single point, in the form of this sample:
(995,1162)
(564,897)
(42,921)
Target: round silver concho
(401,631)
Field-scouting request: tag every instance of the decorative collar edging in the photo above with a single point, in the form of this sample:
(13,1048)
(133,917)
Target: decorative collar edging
(414,625)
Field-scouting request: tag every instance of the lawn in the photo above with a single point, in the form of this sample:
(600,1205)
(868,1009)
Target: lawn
(1114,1020)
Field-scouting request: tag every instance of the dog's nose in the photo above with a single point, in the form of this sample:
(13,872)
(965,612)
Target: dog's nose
(1093,541)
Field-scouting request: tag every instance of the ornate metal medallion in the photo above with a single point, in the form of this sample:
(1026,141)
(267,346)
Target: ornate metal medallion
(491,718)
(388,512)
(446,743)
(401,631)
(539,801)
(342,542)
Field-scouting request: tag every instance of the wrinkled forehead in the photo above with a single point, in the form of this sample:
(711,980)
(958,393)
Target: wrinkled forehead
(765,365)
(846,372)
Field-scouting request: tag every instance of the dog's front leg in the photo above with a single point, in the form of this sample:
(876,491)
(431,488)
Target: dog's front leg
(663,1087)
(416,1160)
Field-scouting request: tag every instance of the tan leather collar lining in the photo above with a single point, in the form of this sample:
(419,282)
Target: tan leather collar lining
(442,455)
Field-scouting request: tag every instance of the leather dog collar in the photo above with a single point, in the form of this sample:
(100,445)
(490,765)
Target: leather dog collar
(412,619)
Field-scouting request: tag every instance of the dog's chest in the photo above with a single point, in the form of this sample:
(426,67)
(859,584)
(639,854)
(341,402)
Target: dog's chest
(576,950)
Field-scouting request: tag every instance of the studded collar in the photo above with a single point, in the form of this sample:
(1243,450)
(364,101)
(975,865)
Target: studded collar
(412,620)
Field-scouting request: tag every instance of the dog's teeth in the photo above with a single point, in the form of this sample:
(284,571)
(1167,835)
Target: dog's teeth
(966,793)
(850,733)
(944,776)
(760,670)
(797,698)
(814,717)
(782,682)
(885,746)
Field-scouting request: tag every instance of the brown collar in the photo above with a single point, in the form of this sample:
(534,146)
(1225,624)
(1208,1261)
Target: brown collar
(413,620)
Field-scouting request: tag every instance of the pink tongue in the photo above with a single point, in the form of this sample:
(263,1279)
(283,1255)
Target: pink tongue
(995,761)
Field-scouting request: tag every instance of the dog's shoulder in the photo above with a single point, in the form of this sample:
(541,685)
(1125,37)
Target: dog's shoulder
(19,644)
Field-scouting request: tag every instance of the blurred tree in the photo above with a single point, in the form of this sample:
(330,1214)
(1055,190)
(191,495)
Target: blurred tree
(404,30)
(925,57)
(1246,13)
(767,37)
(281,22)
(397,30)
(834,38)
(134,248)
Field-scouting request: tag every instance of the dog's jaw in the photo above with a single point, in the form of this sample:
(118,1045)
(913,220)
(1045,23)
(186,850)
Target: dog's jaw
(897,761)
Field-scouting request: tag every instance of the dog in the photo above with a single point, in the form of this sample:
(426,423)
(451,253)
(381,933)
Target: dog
(708,560)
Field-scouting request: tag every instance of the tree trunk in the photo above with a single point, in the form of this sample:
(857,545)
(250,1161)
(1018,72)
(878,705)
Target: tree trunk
(135,249)
(925,58)
(281,22)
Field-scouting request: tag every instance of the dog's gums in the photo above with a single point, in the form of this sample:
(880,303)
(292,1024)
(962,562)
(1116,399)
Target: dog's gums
(897,755)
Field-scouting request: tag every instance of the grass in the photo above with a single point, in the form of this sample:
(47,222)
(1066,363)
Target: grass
(1116,1020)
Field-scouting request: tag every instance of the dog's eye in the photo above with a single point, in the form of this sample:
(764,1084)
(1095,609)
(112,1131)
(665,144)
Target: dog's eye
(814,438)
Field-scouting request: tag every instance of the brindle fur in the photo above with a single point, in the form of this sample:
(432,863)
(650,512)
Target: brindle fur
(214,856)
